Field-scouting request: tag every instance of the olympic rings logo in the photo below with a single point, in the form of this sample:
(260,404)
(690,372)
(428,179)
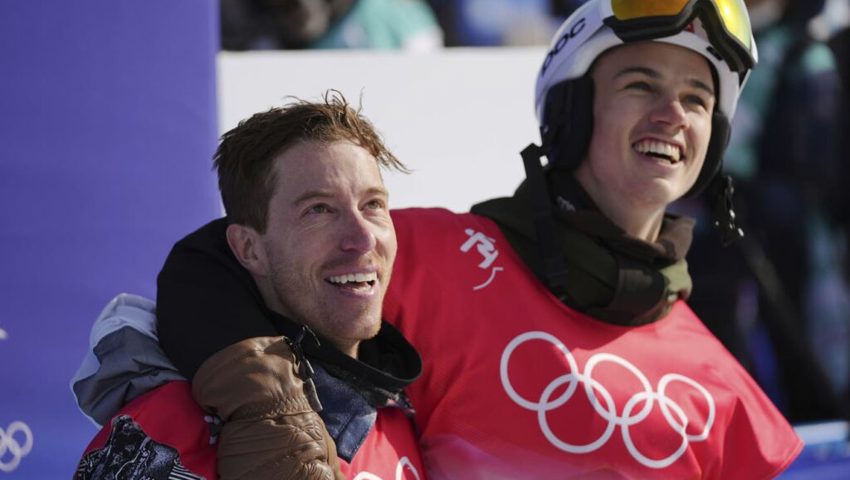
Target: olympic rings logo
(403,463)
(9,444)
(672,411)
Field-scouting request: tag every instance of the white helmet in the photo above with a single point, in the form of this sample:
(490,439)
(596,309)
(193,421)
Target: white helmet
(719,30)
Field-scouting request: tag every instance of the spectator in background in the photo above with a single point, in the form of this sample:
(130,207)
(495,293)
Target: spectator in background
(840,45)
(761,297)
(492,23)
(321,24)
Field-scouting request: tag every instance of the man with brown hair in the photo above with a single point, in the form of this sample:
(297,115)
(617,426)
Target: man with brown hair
(308,220)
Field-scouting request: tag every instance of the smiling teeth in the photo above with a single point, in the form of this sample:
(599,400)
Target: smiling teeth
(655,147)
(354,277)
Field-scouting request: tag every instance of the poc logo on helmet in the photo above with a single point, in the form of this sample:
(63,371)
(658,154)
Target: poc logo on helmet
(562,42)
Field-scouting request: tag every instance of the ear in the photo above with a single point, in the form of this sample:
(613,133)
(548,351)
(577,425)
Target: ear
(247,247)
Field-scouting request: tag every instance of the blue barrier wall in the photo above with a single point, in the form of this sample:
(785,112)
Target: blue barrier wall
(107,125)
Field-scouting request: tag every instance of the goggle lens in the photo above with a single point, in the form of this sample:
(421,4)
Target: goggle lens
(732,14)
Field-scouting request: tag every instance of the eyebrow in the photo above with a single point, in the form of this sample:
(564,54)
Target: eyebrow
(325,194)
(654,74)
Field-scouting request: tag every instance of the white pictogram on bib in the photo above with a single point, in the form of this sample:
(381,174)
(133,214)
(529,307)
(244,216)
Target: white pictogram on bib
(486,247)
(404,463)
(606,408)
(15,444)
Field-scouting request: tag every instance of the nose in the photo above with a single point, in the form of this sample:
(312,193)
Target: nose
(669,111)
(358,234)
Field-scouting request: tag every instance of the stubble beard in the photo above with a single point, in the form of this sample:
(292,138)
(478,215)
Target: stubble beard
(317,313)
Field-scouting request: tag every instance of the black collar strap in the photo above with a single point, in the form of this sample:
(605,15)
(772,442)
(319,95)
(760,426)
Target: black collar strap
(386,364)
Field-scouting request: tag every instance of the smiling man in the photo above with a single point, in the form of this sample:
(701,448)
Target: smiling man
(652,124)
(326,252)
(317,392)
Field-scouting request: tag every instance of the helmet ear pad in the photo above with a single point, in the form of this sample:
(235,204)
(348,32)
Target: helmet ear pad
(720,131)
(568,122)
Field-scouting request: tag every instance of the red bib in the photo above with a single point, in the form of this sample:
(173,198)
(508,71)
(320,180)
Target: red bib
(390,452)
(517,385)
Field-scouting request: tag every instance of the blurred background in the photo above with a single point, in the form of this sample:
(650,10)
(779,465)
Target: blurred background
(110,111)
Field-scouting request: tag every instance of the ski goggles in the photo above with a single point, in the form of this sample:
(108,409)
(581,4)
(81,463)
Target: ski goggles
(726,22)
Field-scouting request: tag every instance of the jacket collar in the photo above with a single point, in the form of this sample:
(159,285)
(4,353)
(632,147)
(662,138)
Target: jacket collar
(612,276)
(352,389)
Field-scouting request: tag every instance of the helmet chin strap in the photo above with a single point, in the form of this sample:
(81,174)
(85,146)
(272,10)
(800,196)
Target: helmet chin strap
(720,191)
(552,254)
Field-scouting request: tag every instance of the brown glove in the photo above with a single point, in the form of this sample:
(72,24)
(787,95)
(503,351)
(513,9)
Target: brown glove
(270,431)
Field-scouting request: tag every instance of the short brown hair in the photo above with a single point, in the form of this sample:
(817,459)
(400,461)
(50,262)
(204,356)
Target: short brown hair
(245,157)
